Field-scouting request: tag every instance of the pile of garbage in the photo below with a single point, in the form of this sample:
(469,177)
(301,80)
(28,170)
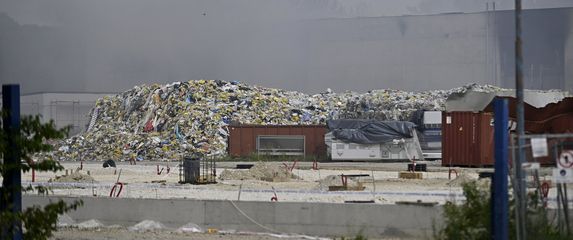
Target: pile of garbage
(165,122)
(260,171)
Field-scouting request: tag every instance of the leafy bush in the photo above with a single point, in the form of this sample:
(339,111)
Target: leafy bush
(472,219)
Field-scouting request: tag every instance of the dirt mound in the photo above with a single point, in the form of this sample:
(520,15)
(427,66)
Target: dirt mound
(335,180)
(74,177)
(90,224)
(147,225)
(190,228)
(65,220)
(460,180)
(260,171)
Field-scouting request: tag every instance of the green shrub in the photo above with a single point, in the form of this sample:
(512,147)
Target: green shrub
(472,219)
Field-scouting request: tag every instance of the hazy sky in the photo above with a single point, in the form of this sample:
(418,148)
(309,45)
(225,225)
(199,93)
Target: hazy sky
(111,45)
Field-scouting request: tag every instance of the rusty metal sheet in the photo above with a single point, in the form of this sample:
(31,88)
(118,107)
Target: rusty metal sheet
(486,144)
(553,118)
(243,138)
(467,139)
(474,148)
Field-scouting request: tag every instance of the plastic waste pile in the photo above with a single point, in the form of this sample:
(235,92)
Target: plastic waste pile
(165,122)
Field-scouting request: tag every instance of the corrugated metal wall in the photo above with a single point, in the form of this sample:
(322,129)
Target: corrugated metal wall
(243,138)
(312,44)
(467,139)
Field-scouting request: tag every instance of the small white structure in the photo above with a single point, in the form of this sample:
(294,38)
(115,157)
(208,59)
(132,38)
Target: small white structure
(431,135)
(391,146)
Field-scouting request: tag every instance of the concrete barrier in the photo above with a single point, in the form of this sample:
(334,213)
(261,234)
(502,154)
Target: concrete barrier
(316,219)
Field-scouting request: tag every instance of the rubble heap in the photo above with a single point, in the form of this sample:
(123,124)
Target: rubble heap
(165,122)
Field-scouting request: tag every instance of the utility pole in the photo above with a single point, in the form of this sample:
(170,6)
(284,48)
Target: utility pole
(495,43)
(519,175)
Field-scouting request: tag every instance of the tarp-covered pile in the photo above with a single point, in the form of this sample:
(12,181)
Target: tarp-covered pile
(370,131)
(165,122)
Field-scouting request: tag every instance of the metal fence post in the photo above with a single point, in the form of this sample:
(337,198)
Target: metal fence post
(500,202)
(11,183)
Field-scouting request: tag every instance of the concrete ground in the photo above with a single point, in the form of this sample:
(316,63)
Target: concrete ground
(124,234)
(142,182)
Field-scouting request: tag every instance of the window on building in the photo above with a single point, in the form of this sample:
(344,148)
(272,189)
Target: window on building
(280,145)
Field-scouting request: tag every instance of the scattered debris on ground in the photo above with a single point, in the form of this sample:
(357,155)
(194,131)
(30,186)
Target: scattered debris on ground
(75,176)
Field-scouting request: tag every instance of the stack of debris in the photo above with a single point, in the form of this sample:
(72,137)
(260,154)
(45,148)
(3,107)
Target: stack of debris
(165,122)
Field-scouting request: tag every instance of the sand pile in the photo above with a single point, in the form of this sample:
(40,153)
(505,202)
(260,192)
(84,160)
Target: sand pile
(260,171)
(147,225)
(335,180)
(74,177)
(460,180)
(190,228)
(90,224)
(65,220)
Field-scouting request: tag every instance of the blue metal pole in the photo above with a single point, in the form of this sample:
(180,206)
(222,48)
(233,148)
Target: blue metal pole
(11,184)
(500,202)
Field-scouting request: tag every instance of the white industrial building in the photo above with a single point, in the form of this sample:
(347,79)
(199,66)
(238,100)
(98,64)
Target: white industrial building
(66,109)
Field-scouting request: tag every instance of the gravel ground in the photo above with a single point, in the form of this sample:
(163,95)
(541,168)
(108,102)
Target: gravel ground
(142,181)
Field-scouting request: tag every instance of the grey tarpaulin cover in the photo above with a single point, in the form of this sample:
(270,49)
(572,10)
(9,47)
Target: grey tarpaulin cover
(369,131)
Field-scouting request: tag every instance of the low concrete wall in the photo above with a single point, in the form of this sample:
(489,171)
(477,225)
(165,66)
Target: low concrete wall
(317,219)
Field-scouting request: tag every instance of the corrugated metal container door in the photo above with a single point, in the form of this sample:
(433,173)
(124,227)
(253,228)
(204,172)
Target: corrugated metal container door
(456,138)
(467,139)
(315,143)
(486,136)
(234,141)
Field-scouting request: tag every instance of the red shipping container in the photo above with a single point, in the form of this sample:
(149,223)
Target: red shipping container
(467,139)
(243,138)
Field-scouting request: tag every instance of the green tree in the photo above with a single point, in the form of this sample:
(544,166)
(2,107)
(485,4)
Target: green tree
(33,137)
